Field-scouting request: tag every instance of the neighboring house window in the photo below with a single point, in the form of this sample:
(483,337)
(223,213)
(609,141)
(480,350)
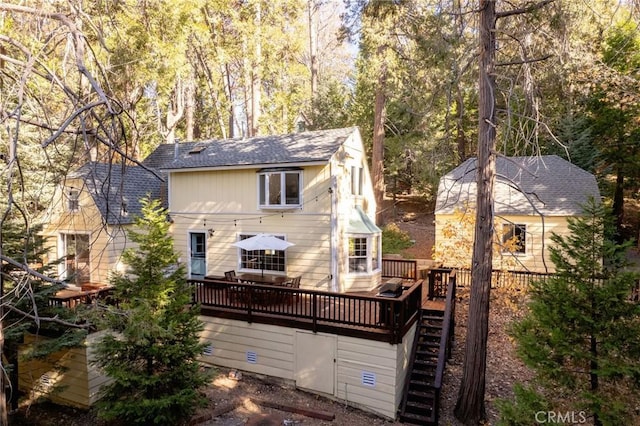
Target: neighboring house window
(73,202)
(262,260)
(364,253)
(357,176)
(514,238)
(76,253)
(280,188)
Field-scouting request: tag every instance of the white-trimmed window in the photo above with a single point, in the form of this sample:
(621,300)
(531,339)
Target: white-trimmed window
(73,200)
(364,253)
(262,260)
(280,188)
(514,238)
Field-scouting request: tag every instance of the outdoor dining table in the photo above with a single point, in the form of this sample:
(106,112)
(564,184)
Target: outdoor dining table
(263,278)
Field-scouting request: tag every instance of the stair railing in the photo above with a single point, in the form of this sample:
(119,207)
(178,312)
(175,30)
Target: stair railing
(446,339)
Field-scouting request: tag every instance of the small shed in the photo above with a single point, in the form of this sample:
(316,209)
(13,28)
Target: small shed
(534,196)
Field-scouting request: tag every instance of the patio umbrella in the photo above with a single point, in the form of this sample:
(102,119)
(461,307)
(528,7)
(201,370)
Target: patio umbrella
(263,242)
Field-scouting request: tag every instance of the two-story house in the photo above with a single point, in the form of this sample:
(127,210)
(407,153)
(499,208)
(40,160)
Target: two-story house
(311,189)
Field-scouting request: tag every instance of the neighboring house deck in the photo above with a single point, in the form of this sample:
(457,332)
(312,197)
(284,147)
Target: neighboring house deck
(534,196)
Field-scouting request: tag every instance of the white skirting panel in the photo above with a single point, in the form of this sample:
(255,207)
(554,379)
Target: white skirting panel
(366,374)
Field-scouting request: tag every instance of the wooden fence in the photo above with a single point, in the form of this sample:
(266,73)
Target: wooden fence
(499,279)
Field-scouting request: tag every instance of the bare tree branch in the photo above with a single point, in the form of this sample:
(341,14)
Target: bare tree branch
(523,10)
(29,270)
(78,39)
(49,319)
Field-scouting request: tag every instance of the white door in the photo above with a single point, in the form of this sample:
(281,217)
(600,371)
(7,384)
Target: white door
(197,254)
(315,362)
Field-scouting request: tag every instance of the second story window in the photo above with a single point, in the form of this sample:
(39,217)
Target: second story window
(357,179)
(73,201)
(279,188)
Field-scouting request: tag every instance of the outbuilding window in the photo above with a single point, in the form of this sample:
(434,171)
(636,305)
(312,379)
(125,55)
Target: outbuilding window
(73,200)
(514,238)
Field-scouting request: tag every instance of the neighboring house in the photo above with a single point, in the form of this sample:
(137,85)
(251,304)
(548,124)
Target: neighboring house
(534,196)
(87,220)
(311,188)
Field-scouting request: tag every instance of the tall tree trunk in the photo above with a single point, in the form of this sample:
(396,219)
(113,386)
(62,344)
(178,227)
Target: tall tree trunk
(232,110)
(256,78)
(461,138)
(593,368)
(175,111)
(618,195)
(313,47)
(190,105)
(470,407)
(377,152)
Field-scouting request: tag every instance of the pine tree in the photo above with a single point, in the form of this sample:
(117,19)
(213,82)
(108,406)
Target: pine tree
(581,335)
(151,347)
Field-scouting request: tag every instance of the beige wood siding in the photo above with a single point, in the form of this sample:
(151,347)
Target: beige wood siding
(274,353)
(232,341)
(538,240)
(236,191)
(79,383)
(226,202)
(107,242)
(309,257)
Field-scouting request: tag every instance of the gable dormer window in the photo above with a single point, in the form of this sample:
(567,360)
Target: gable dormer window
(73,200)
(280,188)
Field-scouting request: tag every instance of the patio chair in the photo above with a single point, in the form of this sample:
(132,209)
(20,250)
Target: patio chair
(231,276)
(292,283)
(236,294)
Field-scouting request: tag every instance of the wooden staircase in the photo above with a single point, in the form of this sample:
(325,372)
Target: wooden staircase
(420,401)
(431,348)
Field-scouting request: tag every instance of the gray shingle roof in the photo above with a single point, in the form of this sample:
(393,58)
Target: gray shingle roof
(548,184)
(263,150)
(111,185)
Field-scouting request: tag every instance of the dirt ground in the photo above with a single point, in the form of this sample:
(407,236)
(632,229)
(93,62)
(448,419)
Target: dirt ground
(415,216)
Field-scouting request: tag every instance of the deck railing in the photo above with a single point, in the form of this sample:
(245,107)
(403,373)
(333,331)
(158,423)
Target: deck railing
(358,315)
(399,268)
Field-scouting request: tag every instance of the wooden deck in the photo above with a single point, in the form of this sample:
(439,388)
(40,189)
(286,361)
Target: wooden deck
(364,315)
(88,294)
